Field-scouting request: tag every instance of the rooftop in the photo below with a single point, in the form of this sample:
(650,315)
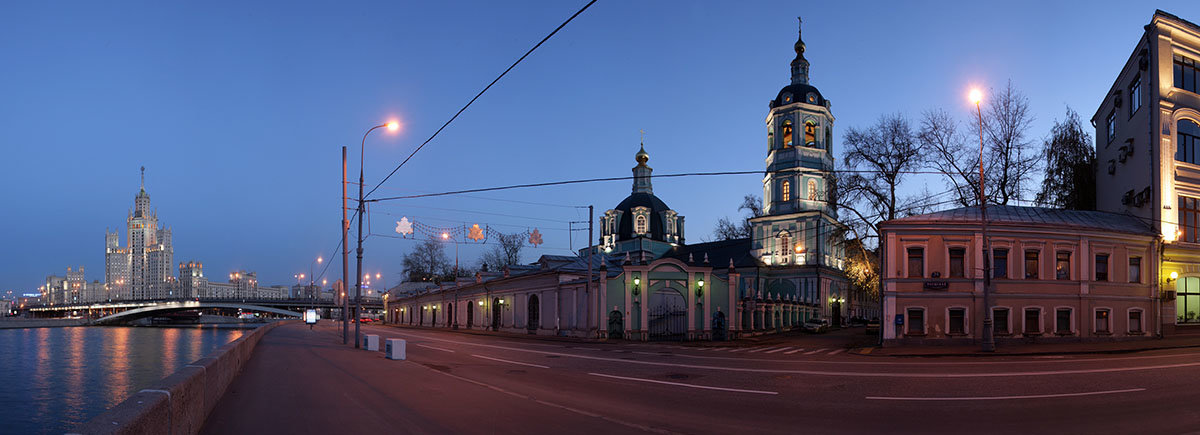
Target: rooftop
(1016,215)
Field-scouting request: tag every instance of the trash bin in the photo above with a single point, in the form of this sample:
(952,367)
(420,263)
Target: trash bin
(396,348)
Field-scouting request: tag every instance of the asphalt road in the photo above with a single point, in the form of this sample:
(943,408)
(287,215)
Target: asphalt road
(302,381)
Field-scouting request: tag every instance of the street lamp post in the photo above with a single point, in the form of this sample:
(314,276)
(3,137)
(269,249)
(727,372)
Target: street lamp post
(393,126)
(454,314)
(989,342)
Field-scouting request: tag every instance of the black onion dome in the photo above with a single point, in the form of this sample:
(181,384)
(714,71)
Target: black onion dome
(799,92)
(648,200)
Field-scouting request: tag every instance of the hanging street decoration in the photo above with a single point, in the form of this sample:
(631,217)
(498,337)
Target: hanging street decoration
(404,227)
(475,233)
(535,238)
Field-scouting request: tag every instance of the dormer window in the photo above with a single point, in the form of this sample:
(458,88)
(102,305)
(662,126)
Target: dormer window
(787,191)
(787,98)
(810,133)
(787,134)
(812,98)
(640,224)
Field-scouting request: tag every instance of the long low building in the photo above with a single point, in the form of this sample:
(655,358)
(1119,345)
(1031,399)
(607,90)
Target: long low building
(1057,275)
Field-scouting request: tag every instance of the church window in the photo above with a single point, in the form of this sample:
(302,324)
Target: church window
(639,224)
(785,242)
(787,133)
(810,134)
(812,190)
(787,191)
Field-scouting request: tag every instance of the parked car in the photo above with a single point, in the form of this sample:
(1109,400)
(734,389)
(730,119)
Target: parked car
(815,326)
(365,320)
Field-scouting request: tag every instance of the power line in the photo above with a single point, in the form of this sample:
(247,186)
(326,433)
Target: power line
(485,89)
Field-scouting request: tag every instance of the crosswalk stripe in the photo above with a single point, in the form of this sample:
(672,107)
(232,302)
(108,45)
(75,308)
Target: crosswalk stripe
(793,351)
(816,351)
(739,349)
(779,350)
(759,349)
(836,352)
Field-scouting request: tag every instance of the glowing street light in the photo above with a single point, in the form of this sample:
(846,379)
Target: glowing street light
(975,96)
(989,343)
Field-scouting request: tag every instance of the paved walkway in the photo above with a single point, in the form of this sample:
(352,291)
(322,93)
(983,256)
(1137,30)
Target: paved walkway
(1175,342)
(302,381)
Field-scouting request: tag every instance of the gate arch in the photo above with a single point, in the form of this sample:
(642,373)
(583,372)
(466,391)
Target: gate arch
(667,315)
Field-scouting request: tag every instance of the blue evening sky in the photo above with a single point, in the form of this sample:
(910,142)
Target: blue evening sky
(238,110)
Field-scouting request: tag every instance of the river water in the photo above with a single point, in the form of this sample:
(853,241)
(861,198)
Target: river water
(52,379)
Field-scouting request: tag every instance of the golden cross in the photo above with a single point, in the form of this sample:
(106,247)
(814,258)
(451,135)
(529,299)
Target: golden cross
(643,131)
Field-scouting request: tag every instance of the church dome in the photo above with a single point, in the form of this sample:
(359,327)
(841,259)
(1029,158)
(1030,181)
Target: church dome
(648,200)
(798,93)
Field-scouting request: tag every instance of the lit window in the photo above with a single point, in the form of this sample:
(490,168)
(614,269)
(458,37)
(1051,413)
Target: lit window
(810,134)
(1062,265)
(1102,321)
(787,191)
(639,224)
(787,133)
(812,190)
(785,243)
(1031,264)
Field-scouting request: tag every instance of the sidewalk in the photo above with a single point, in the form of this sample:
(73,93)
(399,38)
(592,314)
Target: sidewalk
(1010,349)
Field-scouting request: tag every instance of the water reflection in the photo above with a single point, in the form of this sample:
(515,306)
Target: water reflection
(54,378)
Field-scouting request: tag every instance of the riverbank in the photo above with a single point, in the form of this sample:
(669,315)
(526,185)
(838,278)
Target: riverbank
(20,323)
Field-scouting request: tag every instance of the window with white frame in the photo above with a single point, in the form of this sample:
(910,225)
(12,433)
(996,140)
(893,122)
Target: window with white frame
(957,319)
(957,262)
(1033,321)
(1000,263)
(1031,263)
(1102,321)
(916,262)
(1135,269)
(640,224)
(916,321)
(1062,321)
(1101,267)
(1135,321)
(785,243)
(1000,321)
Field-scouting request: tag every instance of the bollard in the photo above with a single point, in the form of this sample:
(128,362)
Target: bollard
(396,349)
(371,342)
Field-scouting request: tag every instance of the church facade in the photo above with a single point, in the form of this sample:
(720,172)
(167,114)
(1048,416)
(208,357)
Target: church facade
(647,283)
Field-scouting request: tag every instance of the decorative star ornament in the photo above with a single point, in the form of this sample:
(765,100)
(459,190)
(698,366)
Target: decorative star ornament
(475,233)
(404,227)
(535,238)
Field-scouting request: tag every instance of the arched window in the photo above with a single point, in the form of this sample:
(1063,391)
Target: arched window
(785,245)
(1189,139)
(639,224)
(812,190)
(787,191)
(810,134)
(770,138)
(787,134)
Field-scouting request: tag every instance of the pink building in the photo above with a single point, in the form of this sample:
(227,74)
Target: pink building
(1058,275)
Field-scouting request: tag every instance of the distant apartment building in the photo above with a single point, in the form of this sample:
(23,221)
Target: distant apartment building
(143,269)
(1148,150)
(192,283)
(241,285)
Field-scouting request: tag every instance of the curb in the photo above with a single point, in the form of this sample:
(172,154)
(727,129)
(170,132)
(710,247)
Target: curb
(867,351)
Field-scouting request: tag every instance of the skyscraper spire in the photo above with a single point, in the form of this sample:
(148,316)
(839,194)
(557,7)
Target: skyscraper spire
(799,64)
(143,186)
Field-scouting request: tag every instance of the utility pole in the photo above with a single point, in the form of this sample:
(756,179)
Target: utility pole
(345,258)
(587,294)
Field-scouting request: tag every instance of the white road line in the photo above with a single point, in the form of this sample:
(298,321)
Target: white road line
(1037,396)
(510,362)
(836,351)
(816,351)
(864,374)
(760,349)
(779,350)
(655,381)
(434,348)
(738,349)
(793,351)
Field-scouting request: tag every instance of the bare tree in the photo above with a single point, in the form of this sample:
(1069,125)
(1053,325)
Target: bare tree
(1070,166)
(952,153)
(427,262)
(1012,157)
(727,230)
(506,253)
(877,161)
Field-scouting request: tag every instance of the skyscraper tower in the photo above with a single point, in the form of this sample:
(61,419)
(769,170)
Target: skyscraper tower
(144,268)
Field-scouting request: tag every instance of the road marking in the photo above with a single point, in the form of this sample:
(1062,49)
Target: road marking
(837,351)
(793,351)
(655,381)
(759,349)
(867,351)
(865,374)
(816,351)
(434,348)
(738,349)
(510,362)
(779,350)
(1036,396)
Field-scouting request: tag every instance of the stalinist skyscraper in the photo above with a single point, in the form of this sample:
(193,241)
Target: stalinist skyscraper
(143,268)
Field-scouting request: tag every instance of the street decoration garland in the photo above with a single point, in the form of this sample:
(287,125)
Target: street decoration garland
(409,229)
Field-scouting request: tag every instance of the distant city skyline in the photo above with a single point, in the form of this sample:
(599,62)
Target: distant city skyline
(239,129)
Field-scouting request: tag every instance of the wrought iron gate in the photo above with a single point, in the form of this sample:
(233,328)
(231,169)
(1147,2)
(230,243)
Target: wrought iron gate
(667,322)
(616,325)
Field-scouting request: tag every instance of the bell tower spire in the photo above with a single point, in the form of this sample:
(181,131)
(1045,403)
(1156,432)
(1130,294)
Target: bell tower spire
(799,64)
(641,172)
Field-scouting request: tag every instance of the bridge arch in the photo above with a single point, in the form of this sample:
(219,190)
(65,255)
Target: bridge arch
(167,307)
